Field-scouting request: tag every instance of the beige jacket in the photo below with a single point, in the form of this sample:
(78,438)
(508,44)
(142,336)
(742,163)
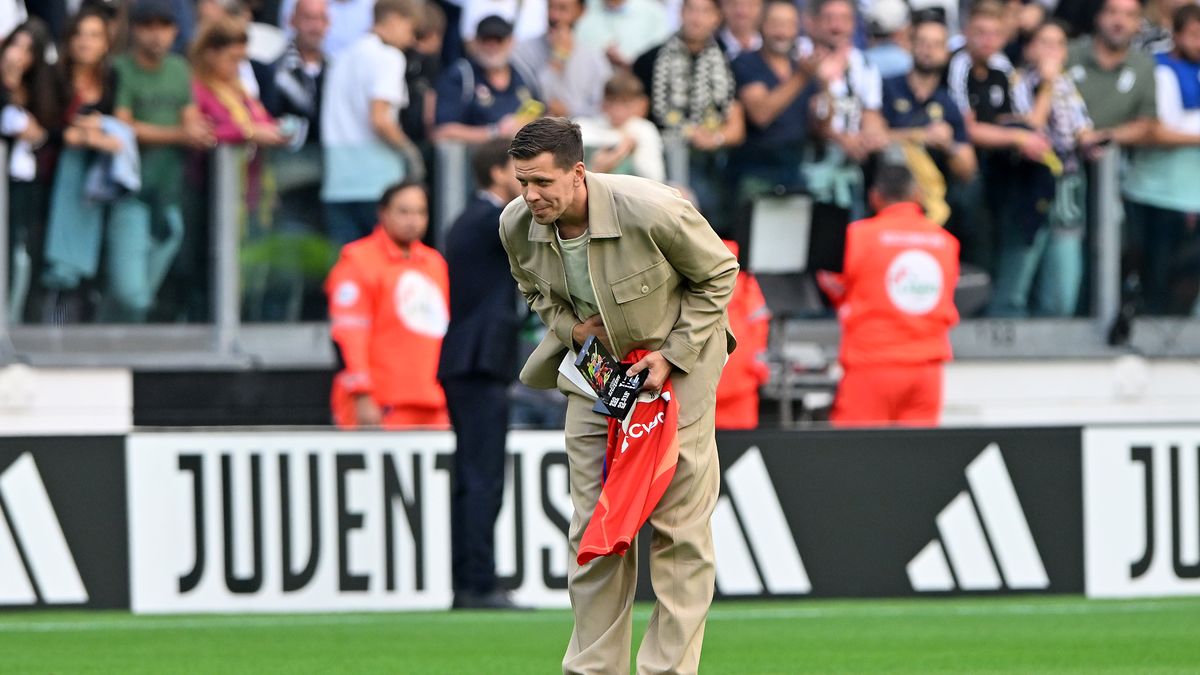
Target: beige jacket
(661,276)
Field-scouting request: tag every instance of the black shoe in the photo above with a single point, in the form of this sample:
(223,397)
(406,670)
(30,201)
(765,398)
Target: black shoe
(497,599)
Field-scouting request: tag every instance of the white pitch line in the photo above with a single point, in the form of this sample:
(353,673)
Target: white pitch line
(930,610)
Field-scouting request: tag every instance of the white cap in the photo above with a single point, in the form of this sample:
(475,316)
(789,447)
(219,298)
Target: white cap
(887,16)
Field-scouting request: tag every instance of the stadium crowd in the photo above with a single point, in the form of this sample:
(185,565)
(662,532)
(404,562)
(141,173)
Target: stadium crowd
(111,107)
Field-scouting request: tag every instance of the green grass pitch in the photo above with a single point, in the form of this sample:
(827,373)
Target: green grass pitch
(976,635)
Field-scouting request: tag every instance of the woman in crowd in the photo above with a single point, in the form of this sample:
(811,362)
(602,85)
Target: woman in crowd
(238,118)
(87,88)
(29,113)
(1040,266)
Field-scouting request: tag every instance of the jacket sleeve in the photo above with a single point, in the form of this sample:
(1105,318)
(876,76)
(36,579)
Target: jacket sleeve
(559,318)
(351,308)
(709,270)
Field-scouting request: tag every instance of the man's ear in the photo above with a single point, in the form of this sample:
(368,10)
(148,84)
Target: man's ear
(579,171)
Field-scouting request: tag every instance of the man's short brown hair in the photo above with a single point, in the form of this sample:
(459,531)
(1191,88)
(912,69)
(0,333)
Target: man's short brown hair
(556,135)
(623,86)
(408,9)
(986,9)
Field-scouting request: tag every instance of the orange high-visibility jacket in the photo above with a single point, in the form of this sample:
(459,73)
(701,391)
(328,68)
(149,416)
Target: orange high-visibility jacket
(895,295)
(746,371)
(388,311)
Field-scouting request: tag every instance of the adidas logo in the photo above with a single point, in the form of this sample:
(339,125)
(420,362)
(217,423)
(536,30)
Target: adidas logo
(35,563)
(981,555)
(753,543)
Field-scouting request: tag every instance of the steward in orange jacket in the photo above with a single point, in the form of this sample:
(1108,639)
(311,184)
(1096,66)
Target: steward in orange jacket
(745,371)
(895,301)
(389,308)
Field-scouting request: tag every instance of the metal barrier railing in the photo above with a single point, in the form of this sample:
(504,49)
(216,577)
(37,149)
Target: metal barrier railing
(232,341)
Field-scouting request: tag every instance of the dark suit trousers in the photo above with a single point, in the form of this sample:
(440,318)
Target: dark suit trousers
(479,413)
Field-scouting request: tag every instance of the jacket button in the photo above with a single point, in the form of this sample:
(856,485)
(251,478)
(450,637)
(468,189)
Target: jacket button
(645,289)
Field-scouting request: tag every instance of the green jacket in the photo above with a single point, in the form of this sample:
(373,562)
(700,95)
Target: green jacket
(662,280)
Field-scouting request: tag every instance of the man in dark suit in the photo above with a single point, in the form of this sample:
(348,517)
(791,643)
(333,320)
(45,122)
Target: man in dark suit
(478,363)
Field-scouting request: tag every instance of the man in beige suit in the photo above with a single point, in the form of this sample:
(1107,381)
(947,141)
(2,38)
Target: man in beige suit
(630,261)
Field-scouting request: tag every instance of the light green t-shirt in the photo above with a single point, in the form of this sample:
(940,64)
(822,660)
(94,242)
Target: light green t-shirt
(157,97)
(579,281)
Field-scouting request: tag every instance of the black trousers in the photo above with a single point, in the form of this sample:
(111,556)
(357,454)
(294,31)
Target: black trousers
(479,413)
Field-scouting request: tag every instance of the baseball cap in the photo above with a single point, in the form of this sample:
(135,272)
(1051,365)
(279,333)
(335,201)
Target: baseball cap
(887,16)
(145,11)
(493,27)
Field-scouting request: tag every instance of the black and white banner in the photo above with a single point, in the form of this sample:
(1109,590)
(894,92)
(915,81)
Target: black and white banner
(329,521)
(1142,500)
(62,522)
(898,512)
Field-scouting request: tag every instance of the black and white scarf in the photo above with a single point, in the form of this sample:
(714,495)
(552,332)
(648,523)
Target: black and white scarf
(691,90)
(298,90)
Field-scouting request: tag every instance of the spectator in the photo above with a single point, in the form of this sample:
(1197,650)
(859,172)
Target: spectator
(895,301)
(298,76)
(1116,82)
(888,29)
(693,94)
(154,97)
(388,296)
(1156,33)
(423,68)
(483,96)
(741,33)
(365,147)
(235,115)
(527,17)
(1161,190)
(349,21)
(254,69)
(477,366)
(623,28)
(74,228)
(847,109)
(775,89)
(920,110)
(746,370)
(1045,214)
(978,78)
(571,74)
(30,112)
(622,141)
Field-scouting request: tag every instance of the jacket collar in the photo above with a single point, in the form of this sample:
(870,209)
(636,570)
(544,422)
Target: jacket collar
(602,213)
(392,250)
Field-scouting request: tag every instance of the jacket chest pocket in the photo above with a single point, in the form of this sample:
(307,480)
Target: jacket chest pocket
(640,298)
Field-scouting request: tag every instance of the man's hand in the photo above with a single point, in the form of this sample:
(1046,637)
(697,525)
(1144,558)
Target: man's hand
(592,326)
(367,412)
(939,135)
(659,368)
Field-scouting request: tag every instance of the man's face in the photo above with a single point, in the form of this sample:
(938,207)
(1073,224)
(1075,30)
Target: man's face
(153,39)
(700,20)
(493,53)
(548,189)
(742,16)
(1117,23)
(563,12)
(311,21)
(406,216)
(929,50)
(397,30)
(985,37)
(1187,41)
(834,24)
(781,28)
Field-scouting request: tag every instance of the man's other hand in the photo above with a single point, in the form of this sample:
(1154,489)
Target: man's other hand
(659,368)
(592,326)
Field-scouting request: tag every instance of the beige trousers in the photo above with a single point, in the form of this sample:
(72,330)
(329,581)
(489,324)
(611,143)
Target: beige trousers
(682,570)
